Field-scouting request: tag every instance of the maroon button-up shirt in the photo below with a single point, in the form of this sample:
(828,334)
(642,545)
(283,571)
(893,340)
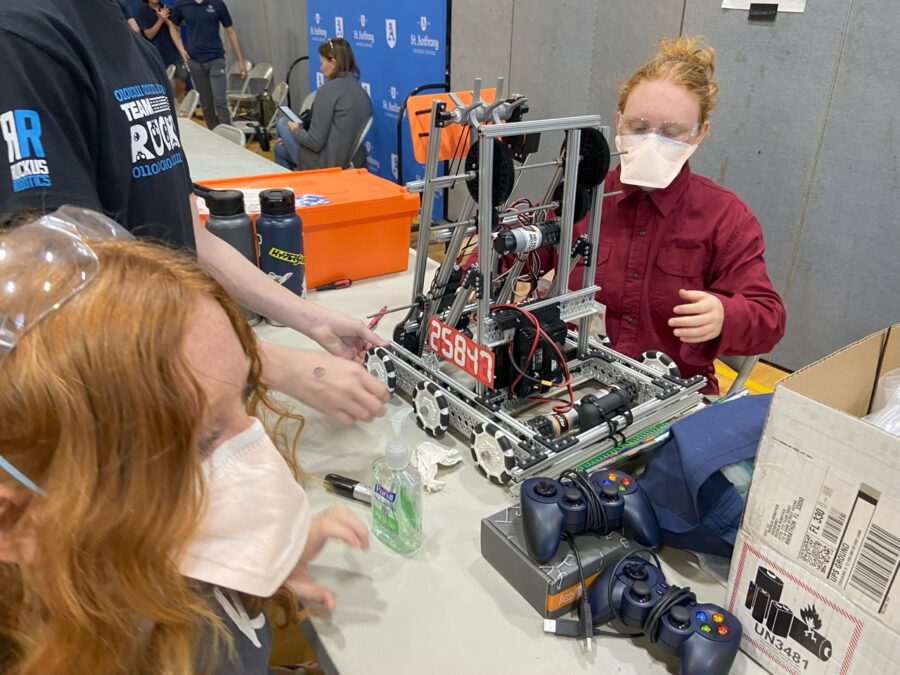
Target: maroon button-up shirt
(694,235)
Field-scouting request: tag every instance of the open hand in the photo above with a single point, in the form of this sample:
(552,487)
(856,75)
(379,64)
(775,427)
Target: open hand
(336,522)
(700,320)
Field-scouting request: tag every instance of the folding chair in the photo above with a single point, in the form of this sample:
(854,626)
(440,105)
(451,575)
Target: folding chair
(251,127)
(259,79)
(233,134)
(189,104)
(359,142)
(234,83)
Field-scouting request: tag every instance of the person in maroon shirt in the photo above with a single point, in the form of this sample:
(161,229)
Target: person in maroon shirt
(680,259)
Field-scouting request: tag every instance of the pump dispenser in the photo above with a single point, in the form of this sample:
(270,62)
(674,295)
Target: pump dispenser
(397,493)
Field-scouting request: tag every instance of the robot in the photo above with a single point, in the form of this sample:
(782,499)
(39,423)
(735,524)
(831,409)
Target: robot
(475,359)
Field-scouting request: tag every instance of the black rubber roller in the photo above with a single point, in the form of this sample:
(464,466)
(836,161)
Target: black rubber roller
(503,177)
(582,201)
(595,157)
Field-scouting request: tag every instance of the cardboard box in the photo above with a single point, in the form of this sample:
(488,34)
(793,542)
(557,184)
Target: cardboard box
(814,578)
(553,588)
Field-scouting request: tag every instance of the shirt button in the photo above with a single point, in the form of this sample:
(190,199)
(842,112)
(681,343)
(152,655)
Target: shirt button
(634,275)
(642,233)
(628,319)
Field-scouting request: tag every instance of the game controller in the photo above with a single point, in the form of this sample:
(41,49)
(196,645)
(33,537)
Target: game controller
(705,636)
(551,508)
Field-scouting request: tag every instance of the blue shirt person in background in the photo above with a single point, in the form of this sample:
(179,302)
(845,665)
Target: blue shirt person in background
(202,19)
(153,19)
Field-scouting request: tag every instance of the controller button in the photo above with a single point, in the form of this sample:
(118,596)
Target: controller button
(572,496)
(706,628)
(545,488)
(722,630)
(640,591)
(626,481)
(701,616)
(680,617)
(622,488)
(608,493)
(612,476)
(718,618)
(606,482)
(637,571)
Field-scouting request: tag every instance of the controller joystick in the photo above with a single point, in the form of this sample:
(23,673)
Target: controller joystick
(640,591)
(636,571)
(572,496)
(705,636)
(552,508)
(680,617)
(545,488)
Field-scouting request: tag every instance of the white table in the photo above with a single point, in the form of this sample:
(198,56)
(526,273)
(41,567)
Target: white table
(445,609)
(211,156)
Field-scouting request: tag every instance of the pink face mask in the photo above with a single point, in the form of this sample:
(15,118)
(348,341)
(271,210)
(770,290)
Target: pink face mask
(652,160)
(256,521)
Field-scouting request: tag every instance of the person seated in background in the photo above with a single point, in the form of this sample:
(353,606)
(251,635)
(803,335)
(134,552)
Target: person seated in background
(341,110)
(146,516)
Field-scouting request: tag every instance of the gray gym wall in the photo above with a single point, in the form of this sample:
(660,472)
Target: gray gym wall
(273,31)
(804,131)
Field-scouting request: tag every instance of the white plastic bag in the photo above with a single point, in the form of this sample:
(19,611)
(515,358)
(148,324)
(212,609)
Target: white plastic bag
(886,405)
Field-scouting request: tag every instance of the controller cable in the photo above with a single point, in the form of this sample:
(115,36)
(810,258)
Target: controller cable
(675,595)
(596,514)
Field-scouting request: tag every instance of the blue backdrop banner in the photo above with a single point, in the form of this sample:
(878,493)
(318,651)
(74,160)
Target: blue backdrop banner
(398,45)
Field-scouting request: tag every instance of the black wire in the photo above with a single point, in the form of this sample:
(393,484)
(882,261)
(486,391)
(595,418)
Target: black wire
(674,596)
(543,337)
(609,592)
(596,513)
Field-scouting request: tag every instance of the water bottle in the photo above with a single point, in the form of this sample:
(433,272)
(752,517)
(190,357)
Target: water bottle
(228,221)
(280,235)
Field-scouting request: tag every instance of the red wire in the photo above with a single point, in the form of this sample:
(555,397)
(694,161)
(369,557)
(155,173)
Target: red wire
(567,383)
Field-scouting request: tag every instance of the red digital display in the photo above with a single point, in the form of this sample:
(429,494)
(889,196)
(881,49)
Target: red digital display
(461,351)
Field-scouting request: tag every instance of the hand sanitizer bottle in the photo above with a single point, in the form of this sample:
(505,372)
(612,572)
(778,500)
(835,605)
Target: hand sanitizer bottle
(397,494)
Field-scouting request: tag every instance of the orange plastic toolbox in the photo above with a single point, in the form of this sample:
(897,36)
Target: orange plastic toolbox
(363,229)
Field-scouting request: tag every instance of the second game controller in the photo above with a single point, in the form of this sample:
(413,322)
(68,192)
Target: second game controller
(552,508)
(705,636)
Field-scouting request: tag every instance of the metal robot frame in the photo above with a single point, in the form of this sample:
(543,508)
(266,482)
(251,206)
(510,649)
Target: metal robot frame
(627,395)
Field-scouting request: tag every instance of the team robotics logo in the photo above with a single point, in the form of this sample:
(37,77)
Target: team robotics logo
(21,129)
(763,596)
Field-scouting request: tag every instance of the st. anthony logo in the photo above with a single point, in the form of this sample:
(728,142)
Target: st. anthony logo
(21,129)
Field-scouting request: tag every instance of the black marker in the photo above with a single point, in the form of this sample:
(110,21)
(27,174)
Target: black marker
(347,487)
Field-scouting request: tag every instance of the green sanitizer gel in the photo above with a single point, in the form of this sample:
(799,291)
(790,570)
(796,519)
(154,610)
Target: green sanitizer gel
(397,494)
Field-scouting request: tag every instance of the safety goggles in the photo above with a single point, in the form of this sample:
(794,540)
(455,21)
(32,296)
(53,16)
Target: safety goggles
(673,131)
(43,265)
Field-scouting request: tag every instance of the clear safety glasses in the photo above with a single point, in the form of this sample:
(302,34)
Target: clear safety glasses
(668,130)
(43,264)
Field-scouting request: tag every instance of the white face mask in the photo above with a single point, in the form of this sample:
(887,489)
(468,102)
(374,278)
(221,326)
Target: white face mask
(652,161)
(256,521)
